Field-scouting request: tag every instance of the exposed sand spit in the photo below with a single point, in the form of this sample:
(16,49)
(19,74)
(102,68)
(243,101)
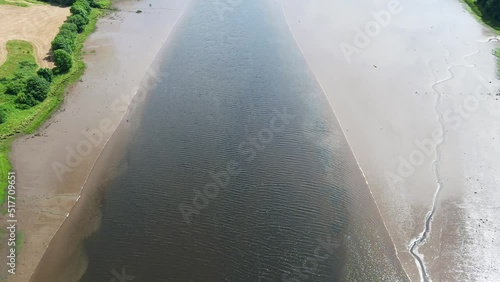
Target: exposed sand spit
(37,24)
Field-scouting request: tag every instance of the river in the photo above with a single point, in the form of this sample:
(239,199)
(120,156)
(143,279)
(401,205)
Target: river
(237,169)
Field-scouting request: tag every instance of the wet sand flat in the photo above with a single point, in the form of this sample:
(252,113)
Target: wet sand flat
(53,165)
(424,68)
(37,24)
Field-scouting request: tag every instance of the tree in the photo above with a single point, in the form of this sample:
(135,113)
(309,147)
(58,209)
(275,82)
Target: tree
(79,21)
(69,27)
(26,100)
(491,8)
(86,5)
(63,60)
(46,74)
(37,87)
(63,42)
(78,9)
(95,4)
(14,86)
(70,35)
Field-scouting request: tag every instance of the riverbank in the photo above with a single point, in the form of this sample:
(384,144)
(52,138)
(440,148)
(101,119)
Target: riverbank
(418,105)
(53,164)
(32,23)
(26,119)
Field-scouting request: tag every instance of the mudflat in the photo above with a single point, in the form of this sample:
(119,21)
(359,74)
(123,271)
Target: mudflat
(418,103)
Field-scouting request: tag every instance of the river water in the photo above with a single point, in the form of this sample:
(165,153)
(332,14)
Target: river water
(238,170)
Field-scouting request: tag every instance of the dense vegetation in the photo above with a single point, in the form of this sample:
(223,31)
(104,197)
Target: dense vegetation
(491,8)
(487,11)
(29,94)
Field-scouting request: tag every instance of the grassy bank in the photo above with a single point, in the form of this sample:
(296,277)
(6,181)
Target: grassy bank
(22,120)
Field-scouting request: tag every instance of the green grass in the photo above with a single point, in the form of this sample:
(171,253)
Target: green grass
(19,241)
(103,4)
(21,3)
(27,121)
(17,51)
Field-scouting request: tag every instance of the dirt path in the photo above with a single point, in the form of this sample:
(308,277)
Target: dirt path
(37,24)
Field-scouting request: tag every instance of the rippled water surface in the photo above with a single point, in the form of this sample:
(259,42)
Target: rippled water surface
(238,170)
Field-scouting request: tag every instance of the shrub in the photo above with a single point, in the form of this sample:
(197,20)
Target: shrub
(69,27)
(61,42)
(63,60)
(24,99)
(491,7)
(79,21)
(26,65)
(95,4)
(46,74)
(70,35)
(85,4)
(78,9)
(23,74)
(37,87)
(14,86)
(3,115)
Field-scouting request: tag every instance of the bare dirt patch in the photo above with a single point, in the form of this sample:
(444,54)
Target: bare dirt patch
(37,24)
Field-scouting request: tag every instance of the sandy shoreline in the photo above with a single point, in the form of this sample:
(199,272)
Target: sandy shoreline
(391,94)
(53,165)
